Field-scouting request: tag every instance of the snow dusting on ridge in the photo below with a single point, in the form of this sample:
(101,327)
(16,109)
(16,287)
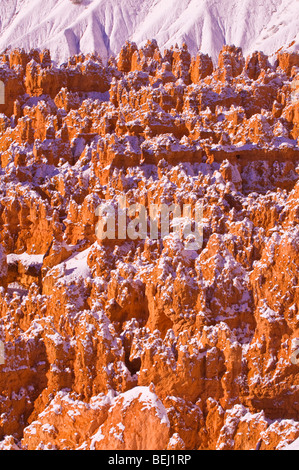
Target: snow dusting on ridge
(104,25)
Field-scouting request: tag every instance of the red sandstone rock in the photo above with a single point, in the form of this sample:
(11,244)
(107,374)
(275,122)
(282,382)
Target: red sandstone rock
(255,64)
(137,420)
(124,63)
(230,63)
(201,67)
(287,61)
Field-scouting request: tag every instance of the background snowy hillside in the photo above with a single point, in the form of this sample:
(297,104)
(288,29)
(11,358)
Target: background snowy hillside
(104,25)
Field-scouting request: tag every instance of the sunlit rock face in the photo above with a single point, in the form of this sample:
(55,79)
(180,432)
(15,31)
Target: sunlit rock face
(137,342)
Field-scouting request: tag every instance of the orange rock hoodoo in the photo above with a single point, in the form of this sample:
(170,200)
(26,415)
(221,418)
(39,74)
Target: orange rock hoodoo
(142,344)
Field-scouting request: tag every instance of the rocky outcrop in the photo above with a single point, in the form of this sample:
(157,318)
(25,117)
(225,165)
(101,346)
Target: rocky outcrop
(201,67)
(135,341)
(3,267)
(137,420)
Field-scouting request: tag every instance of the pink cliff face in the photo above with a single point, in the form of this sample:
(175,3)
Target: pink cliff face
(122,343)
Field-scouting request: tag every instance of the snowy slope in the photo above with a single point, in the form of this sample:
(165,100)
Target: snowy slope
(104,25)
